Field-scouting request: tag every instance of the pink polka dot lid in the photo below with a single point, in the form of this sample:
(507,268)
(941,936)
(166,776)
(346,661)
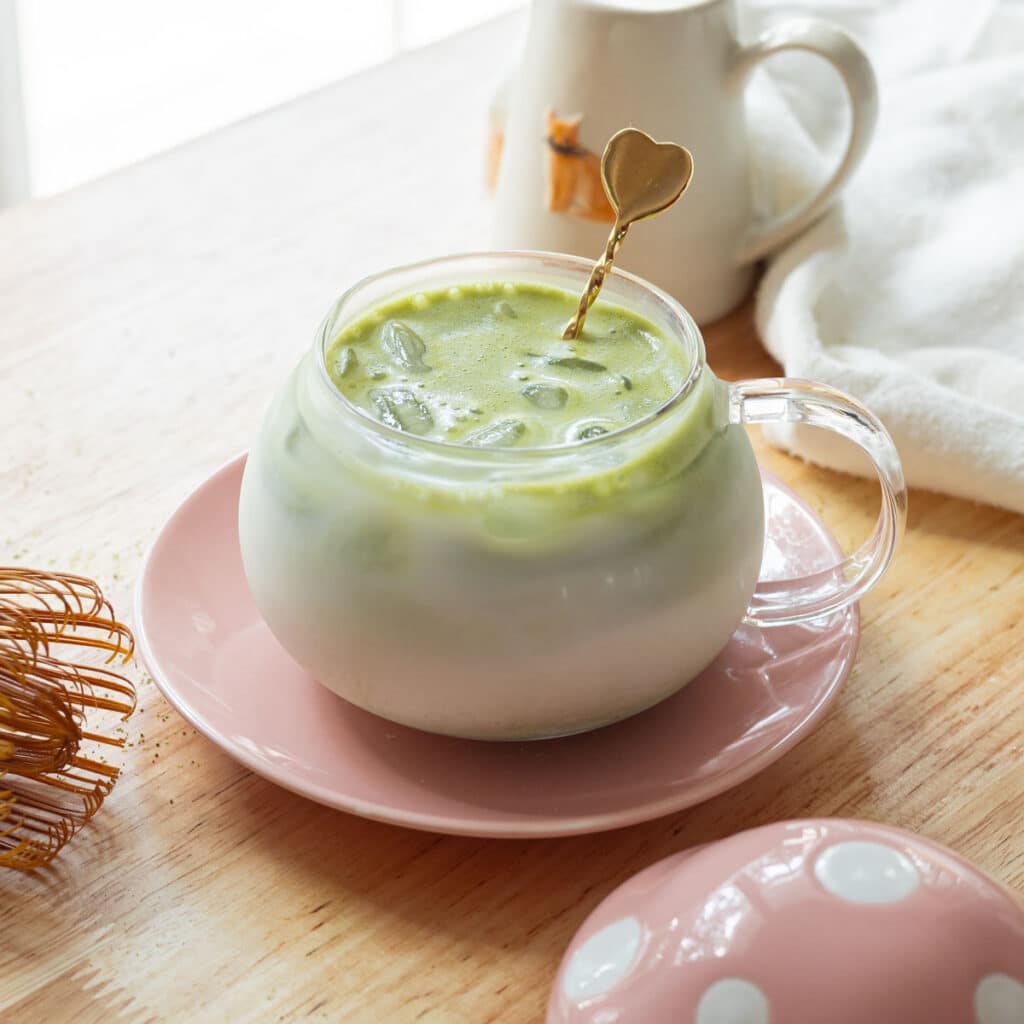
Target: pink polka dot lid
(805,922)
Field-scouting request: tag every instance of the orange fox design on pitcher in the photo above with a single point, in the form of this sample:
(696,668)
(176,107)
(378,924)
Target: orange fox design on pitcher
(574,172)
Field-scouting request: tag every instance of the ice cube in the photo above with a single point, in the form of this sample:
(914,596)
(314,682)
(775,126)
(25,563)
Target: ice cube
(298,442)
(401,409)
(546,396)
(594,430)
(503,308)
(403,346)
(346,361)
(576,363)
(555,350)
(502,434)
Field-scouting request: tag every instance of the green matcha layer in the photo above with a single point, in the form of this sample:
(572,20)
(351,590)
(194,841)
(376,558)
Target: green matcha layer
(484,365)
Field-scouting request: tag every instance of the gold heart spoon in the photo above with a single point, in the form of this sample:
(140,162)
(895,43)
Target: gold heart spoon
(641,177)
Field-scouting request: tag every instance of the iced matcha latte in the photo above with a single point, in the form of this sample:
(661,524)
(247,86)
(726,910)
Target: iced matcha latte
(483,365)
(458,521)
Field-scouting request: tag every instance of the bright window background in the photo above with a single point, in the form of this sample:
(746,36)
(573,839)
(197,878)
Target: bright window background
(109,82)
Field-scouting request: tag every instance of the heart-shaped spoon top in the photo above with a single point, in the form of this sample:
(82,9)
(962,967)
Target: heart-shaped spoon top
(641,177)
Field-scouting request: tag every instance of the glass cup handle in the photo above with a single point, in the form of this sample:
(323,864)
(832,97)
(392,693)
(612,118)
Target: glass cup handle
(787,400)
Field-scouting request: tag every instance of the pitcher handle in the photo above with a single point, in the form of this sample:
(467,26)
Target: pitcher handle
(839,49)
(787,400)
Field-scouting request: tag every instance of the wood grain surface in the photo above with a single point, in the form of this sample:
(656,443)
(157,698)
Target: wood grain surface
(145,320)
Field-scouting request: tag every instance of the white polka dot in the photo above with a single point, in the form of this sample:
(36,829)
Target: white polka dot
(864,872)
(602,961)
(999,999)
(733,1001)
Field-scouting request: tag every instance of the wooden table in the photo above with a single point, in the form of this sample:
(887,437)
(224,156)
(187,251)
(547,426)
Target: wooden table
(145,320)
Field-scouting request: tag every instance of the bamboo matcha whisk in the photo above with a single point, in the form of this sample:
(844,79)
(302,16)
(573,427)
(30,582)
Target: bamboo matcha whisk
(49,785)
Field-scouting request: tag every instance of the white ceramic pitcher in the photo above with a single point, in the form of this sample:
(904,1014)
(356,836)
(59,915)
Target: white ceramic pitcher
(676,69)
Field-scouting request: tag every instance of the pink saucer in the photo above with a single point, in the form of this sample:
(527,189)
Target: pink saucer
(216,661)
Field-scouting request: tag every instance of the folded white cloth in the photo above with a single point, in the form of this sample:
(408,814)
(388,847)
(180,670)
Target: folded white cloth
(910,294)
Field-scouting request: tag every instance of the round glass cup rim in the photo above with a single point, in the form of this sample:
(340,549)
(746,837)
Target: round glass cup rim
(689,325)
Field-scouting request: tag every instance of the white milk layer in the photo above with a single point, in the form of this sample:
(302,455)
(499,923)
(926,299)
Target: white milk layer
(501,602)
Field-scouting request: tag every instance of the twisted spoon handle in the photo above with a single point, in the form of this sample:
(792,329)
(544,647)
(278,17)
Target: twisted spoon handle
(597,276)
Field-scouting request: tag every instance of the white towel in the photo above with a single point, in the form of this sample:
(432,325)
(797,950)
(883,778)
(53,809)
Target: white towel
(910,294)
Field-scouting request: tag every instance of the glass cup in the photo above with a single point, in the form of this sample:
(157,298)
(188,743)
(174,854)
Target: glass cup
(518,593)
